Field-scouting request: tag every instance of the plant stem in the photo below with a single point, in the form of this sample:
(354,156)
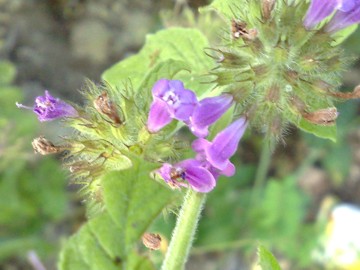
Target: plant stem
(262,169)
(183,234)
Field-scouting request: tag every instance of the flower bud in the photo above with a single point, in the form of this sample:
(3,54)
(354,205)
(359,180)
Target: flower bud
(44,147)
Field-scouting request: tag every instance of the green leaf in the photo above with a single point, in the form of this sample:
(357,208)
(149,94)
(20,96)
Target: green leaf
(132,201)
(326,132)
(224,7)
(179,45)
(267,261)
(342,35)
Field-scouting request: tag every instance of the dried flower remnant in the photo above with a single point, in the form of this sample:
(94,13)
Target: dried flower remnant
(105,106)
(171,101)
(239,30)
(152,240)
(49,108)
(322,117)
(43,146)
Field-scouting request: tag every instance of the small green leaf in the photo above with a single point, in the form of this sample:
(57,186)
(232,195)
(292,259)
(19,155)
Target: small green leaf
(267,261)
(326,132)
(224,7)
(132,201)
(177,44)
(342,35)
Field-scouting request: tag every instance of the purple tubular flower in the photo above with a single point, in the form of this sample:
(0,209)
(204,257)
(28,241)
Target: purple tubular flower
(211,161)
(320,9)
(171,101)
(224,145)
(49,108)
(345,18)
(190,170)
(207,112)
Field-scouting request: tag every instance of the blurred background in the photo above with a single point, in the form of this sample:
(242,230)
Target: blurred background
(57,44)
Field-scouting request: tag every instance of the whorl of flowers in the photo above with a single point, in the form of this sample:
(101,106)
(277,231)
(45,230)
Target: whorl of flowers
(280,63)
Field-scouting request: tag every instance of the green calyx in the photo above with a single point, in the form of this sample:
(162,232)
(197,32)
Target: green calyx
(277,71)
(110,134)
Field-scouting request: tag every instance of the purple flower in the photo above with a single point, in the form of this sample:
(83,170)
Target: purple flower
(345,17)
(49,108)
(211,161)
(207,112)
(320,9)
(171,101)
(190,170)
(218,152)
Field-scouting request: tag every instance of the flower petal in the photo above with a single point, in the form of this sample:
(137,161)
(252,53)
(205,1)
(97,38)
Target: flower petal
(225,144)
(187,103)
(208,111)
(200,145)
(165,171)
(211,109)
(49,108)
(159,115)
(160,87)
(343,19)
(199,178)
(319,10)
(229,170)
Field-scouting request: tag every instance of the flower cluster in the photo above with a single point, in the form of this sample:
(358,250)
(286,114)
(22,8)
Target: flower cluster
(173,101)
(283,65)
(347,12)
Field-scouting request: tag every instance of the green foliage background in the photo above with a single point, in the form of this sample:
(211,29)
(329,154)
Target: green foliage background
(35,202)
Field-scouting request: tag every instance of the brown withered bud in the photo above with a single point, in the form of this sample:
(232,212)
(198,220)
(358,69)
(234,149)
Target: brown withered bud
(324,117)
(239,30)
(44,147)
(347,95)
(273,94)
(105,106)
(152,241)
(267,7)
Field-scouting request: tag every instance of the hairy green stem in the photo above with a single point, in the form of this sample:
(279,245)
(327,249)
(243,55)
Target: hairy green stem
(183,234)
(262,169)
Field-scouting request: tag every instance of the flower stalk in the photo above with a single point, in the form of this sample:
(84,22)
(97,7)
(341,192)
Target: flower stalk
(183,234)
(262,169)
